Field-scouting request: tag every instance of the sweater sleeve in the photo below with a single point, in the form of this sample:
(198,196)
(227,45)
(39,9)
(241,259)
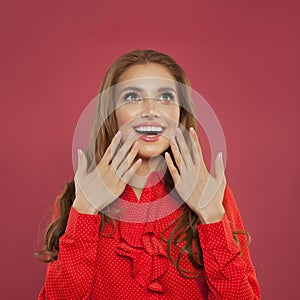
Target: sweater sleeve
(228,267)
(71,275)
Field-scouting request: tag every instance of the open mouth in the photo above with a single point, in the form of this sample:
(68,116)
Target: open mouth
(149,130)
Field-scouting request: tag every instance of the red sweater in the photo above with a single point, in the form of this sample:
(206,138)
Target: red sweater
(133,262)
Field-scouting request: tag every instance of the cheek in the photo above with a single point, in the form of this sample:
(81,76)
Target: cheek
(124,116)
(173,115)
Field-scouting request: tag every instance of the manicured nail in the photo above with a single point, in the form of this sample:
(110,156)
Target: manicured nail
(136,145)
(79,155)
(220,155)
(192,131)
(173,139)
(131,136)
(178,131)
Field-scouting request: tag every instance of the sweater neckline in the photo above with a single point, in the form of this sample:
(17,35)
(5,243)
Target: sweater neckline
(155,180)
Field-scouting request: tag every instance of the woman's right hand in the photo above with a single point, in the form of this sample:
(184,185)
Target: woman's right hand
(99,188)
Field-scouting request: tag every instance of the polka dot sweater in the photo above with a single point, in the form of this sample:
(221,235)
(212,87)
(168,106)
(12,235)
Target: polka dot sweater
(131,262)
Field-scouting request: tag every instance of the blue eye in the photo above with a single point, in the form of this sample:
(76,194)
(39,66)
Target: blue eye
(132,97)
(166,97)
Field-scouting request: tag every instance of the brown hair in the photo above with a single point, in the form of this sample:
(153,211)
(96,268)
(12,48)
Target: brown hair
(185,230)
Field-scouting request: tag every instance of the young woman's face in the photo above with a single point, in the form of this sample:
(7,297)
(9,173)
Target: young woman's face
(147,104)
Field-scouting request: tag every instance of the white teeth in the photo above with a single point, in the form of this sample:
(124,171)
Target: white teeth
(149,128)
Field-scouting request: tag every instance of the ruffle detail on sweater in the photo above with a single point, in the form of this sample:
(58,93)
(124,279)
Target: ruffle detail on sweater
(148,256)
(140,241)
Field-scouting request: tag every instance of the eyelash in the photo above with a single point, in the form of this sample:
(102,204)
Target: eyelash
(135,95)
(169,95)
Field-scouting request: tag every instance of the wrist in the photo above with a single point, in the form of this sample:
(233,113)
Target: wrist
(83,206)
(211,219)
(211,216)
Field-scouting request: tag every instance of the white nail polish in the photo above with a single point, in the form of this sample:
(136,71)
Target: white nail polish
(78,157)
(173,139)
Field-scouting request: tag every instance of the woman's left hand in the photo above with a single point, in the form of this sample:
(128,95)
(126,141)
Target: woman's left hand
(202,192)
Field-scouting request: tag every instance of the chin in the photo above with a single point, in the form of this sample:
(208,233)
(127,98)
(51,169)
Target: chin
(148,154)
(150,150)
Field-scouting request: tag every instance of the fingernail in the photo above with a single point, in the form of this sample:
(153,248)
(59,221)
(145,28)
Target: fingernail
(118,133)
(173,139)
(131,136)
(136,145)
(79,154)
(192,130)
(220,155)
(178,131)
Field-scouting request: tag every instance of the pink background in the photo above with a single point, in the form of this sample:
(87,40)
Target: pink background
(242,56)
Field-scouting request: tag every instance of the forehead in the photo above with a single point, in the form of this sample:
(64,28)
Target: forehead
(146,85)
(150,77)
(146,70)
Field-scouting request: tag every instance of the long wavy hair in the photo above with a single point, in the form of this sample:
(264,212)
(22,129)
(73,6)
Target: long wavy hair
(184,227)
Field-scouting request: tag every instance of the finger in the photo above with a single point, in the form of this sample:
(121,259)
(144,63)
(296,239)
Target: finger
(126,163)
(122,153)
(176,154)
(173,170)
(187,159)
(195,154)
(198,153)
(82,164)
(112,148)
(131,171)
(219,167)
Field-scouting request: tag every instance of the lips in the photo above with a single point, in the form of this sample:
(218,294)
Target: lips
(149,128)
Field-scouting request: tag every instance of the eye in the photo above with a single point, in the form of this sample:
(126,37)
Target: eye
(132,97)
(166,97)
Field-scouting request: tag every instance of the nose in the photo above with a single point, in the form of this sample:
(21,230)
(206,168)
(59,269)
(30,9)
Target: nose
(149,107)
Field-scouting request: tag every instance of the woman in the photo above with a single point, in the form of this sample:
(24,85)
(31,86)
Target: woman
(99,250)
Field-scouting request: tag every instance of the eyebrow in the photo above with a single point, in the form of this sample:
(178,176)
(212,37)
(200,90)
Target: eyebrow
(137,89)
(131,88)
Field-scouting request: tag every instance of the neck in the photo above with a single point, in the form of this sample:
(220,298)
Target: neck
(149,165)
(153,164)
